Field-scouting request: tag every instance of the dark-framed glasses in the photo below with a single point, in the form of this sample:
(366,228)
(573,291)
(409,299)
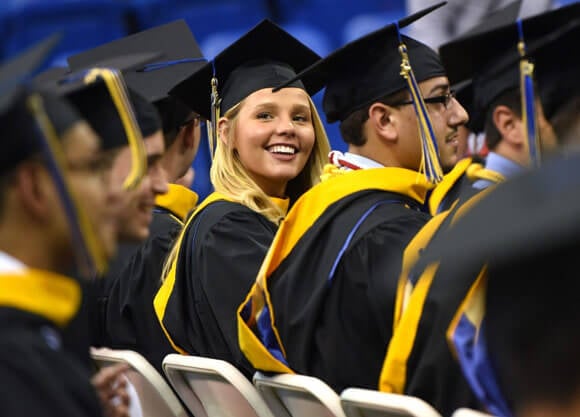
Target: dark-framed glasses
(444,99)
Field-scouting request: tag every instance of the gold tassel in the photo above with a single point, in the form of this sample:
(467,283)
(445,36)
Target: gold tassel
(212,129)
(430,165)
(118,91)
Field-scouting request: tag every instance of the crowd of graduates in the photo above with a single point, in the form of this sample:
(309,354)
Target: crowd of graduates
(400,265)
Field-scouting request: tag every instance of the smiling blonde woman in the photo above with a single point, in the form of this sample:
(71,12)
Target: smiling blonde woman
(270,148)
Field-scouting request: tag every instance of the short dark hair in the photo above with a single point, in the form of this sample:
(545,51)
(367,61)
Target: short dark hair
(173,115)
(511,99)
(532,320)
(351,128)
(6,179)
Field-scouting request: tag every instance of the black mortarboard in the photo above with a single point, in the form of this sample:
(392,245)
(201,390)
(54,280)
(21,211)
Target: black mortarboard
(95,102)
(264,57)
(492,77)
(100,95)
(18,128)
(489,53)
(369,68)
(174,51)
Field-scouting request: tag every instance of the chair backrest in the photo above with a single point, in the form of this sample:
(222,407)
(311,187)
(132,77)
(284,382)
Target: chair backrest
(298,395)
(468,412)
(155,395)
(213,388)
(368,403)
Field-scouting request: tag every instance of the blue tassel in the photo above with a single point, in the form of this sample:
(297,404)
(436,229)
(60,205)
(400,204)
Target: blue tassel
(528,100)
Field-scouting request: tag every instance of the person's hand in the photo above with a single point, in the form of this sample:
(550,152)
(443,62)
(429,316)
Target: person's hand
(111,387)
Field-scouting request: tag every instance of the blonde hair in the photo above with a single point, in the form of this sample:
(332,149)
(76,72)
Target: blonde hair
(229,177)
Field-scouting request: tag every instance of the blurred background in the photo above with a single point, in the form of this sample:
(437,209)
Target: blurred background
(324,25)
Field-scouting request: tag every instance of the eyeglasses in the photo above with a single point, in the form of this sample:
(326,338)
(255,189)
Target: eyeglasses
(444,99)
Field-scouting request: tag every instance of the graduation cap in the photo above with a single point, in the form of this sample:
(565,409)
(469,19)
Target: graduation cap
(264,57)
(116,114)
(490,79)
(489,47)
(379,64)
(172,55)
(32,123)
(497,35)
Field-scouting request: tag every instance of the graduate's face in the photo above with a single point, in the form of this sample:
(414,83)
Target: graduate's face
(446,118)
(90,183)
(274,136)
(136,208)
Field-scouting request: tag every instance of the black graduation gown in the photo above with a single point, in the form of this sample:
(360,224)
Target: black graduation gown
(220,253)
(419,361)
(76,335)
(332,288)
(38,377)
(125,305)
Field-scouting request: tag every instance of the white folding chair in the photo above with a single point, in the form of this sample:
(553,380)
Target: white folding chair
(156,399)
(298,395)
(358,402)
(213,388)
(468,412)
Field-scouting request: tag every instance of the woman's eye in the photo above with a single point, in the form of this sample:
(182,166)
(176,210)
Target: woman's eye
(300,118)
(264,115)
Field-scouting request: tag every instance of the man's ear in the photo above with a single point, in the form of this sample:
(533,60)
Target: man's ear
(33,184)
(383,119)
(507,124)
(187,136)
